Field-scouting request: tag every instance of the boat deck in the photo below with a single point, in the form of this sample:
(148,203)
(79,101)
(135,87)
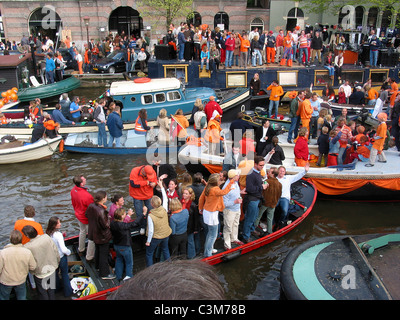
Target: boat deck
(384,261)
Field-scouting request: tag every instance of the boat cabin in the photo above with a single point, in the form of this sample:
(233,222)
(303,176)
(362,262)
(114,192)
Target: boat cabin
(15,70)
(155,94)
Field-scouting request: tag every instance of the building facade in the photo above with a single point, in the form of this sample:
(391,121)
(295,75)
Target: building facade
(83,19)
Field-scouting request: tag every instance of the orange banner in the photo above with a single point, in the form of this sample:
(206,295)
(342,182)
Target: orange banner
(339,186)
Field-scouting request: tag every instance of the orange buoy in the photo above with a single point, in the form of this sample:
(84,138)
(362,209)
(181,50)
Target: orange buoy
(61,146)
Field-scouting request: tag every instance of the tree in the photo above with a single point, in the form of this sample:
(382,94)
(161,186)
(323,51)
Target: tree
(166,10)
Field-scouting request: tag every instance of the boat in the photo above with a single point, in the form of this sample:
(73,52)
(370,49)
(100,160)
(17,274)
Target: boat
(168,93)
(19,150)
(303,195)
(352,182)
(256,118)
(361,267)
(355,181)
(44,91)
(131,143)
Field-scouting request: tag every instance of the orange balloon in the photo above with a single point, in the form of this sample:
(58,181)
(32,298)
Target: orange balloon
(15,89)
(4,94)
(14,97)
(5,100)
(9,92)
(1,103)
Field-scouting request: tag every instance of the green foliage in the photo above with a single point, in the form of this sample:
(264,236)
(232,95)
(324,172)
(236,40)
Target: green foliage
(165,11)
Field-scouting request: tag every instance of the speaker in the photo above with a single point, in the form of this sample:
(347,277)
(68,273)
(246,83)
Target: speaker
(162,52)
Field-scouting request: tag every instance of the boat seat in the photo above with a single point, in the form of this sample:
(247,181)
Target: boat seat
(34,81)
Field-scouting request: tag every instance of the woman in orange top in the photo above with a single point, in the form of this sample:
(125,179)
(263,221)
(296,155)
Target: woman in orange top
(301,148)
(210,203)
(287,50)
(213,133)
(377,146)
(372,95)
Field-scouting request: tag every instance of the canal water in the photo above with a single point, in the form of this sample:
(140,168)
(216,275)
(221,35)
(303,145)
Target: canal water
(46,185)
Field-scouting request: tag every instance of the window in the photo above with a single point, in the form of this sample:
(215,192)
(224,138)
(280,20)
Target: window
(159,97)
(321,78)
(378,76)
(174,96)
(257,23)
(386,18)
(194,18)
(359,16)
(221,20)
(372,17)
(147,99)
(353,76)
(176,71)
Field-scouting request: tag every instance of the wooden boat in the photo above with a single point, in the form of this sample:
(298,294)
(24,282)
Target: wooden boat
(168,93)
(131,143)
(49,90)
(362,267)
(21,150)
(303,196)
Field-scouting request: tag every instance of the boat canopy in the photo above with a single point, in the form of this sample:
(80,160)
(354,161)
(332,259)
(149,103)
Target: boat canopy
(130,87)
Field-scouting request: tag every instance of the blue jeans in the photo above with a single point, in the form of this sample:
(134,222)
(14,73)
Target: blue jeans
(102,135)
(273,105)
(193,245)
(65,282)
(228,58)
(138,205)
(20,291)
(294,48)
(284,204)
(128,66)
(181,51)
(303,51)
(50,76)
(117,142)
(292,127)
(249,218)
(207,64)
(330,69)
(152,247)
(212,234)
(124,256)
(255,57)
(373,57)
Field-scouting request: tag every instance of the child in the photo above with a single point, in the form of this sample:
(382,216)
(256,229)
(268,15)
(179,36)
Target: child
(333,148)
(323,146)
(321,119)
(301,148)
(341,96)
(205,57)
(121,232)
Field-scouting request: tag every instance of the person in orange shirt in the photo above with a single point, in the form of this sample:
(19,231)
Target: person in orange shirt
(29,213)
(377,146)
(305,112)
(276,93)
(244,50)
(213,133)
(51,126)
(87,58)
(372,95)
(287,50)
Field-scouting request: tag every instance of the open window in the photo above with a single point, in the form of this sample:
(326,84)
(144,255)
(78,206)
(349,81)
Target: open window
(178,71)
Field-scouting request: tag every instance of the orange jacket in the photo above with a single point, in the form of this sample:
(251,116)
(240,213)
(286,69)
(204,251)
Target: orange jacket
(138,186)
(184,124)
(275,91)
(287,41)
(50,124)
(306,110)
(214,201)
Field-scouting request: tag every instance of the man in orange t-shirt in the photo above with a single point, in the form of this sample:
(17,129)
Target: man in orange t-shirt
(305,112)
(29,213)
(276,93)
(377,146)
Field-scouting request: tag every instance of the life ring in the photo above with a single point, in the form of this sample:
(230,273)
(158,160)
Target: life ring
(142,80)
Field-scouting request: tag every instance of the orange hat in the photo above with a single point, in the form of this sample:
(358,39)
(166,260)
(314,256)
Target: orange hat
(142,49)
(150,173)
